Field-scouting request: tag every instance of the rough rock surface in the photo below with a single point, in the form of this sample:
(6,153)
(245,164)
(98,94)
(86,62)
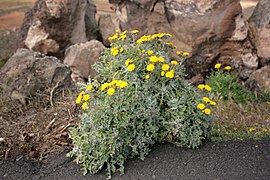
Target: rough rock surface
(80,58)
(260,79)
(106,28)
(212,30)
(51,26)
(26,73)
(260,30)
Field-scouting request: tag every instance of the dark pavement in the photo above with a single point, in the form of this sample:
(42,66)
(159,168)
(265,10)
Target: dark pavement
(243,160)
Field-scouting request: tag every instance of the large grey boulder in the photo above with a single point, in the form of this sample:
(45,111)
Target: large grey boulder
(260,79)
(26,73)
(81,57)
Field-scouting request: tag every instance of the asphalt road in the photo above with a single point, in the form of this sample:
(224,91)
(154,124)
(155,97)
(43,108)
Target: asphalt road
(243,160)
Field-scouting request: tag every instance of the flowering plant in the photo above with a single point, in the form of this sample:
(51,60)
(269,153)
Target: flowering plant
(139,97)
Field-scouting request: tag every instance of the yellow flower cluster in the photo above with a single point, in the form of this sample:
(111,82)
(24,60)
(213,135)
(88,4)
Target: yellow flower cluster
(122,36)
(155,59)
(170,44)
(164,67)
(112,85)
(114,51)
(203,107)
(218,66)
(183,53)
(130,65)
(204,86)
(147,38)
(207,100)
(84,97)
(170,74)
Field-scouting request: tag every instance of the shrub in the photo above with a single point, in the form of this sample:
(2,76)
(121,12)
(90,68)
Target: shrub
(225,85)
(138,98)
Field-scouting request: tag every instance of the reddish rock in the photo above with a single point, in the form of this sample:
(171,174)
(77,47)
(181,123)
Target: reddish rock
(212,30)
(50,26)
(259,24)
(106,28)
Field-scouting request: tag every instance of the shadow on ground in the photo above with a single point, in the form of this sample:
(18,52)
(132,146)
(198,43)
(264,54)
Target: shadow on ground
(225,160)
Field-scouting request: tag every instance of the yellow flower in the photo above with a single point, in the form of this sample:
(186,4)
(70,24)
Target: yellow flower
(179,52)
(143,51)
(169,43)
(111,91)
(86,97)
(134,31)
(201,106)
(123,33)
(161,35)
(104,86)
(207,111)
(206,99)
(121,49)
(114,51)
(268,102)
(153,59)
(174,62)
(201,86)
(162,73)
(150,67)
(154,36)
(79,98)
(150,52)
(228,68)
(165,67)
(147,76)
(213,103)
(85,105)
(128,61)
(122,37)
(161,59)
(265,130)
(131,67)
(89,88)
(185,53)
(113,37)
(113,82)
(251,129)
(170,74)
(207,88)
(122,84)
(217,66)
(116,31)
